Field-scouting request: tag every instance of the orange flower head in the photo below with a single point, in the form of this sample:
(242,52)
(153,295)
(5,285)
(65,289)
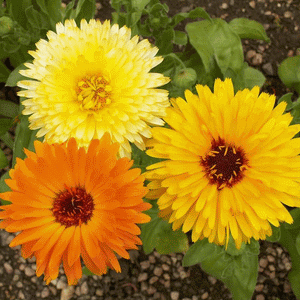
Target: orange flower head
(69,203)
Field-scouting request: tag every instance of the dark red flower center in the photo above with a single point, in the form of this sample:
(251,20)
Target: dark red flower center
(224,164)
(73,206)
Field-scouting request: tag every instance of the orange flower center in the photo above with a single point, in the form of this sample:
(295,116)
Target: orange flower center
(224,164)
(73,206)
(93,92)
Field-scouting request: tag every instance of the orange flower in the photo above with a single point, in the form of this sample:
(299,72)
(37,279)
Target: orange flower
(69,203)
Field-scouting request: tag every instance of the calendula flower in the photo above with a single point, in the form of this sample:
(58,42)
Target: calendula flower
(231,164)
(70,204)
(91,80)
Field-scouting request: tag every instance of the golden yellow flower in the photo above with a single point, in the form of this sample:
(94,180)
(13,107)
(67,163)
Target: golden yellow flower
(231,164)
(91,80)
(69,204)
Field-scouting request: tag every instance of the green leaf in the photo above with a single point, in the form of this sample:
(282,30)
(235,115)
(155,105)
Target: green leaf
(37,19)
(276,233)
(289,72)
(24,139)
(5,124)
(87,272)
(198,12)
(288,99)
(8,109)
(249,29)
(54,11)
(69,12)
(85,9)
(180,38)
(215,40)
(246,77)
(3,160)
(297,243)
(139,5)
(159,234)
(164,42)
(17,9)
(4,72)
(238,271)
(14,77)
(4,187)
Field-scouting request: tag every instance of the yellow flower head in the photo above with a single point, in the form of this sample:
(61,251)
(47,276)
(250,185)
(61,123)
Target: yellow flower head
(231,164)
(94,79)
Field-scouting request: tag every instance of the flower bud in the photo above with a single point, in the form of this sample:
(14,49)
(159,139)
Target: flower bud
(6,25)
(185,78)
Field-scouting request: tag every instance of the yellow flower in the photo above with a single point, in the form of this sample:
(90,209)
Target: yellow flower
(231,164)
(69,204)
(94,79)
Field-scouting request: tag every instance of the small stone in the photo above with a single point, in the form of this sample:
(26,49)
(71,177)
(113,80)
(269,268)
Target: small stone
(151,290)
(174,260)
(45,293)
(204,295)
(195,298)
(142,277)
(166,276)
(53,290)
(61,284)
(19,284)
(67,293)
(157,271)
(77,291)
(271,268)
(268,68)
(21,295)
(259,288)
(174,295)
(157,295)
(33,279)
(212,280)
(286,287)
(260,297)
(165,267)
(224,6)
(268,13)
(99,292)
(151,259)
(272,275)
(271,258)
(144,286)
(250,54)
(231,2)
(9,239)
(263,262)
(16,278)
(257,59)
(145,264)
(287,266)
(8,268)
(153,279)
(279,251)
(29,272)
(288,14)
(290,53)
(84,289)
(252,4)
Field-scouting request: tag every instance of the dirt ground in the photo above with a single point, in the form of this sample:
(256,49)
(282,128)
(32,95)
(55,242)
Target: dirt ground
(162,276)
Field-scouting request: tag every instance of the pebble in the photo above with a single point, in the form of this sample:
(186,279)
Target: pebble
(22,267)
(252,4)
(271,258)
(286,287)
(67,293)
(259,287)
(174,260)
(99,292)
(151,259)
(268,68)
(53,290)
(288,266)
(21,295)
(212,280)
(165,267)
(257,59)
(260,297)
(84,289)
(8,268)
(61,284)
(157,271)
(288,14)
(29,272)
(45,293)
(19,284)
(166,276)
(250,54)
(153,279)
(145,264)
(16,278)
(195,298)
(174,295)
(142,277)
(144,286)
(263,262)
(151,290)
(204,296)
(224,6)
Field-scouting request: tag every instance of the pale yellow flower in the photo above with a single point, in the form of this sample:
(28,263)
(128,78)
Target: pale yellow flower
(94,79)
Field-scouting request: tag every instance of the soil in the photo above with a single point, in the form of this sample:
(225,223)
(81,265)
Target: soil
(162,276)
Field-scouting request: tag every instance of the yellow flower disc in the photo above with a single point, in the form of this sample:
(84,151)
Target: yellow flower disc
(94,79)
(231,164)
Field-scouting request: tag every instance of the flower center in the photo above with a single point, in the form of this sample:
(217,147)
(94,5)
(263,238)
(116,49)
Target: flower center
(73,206)
(224,164)
(93,92)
